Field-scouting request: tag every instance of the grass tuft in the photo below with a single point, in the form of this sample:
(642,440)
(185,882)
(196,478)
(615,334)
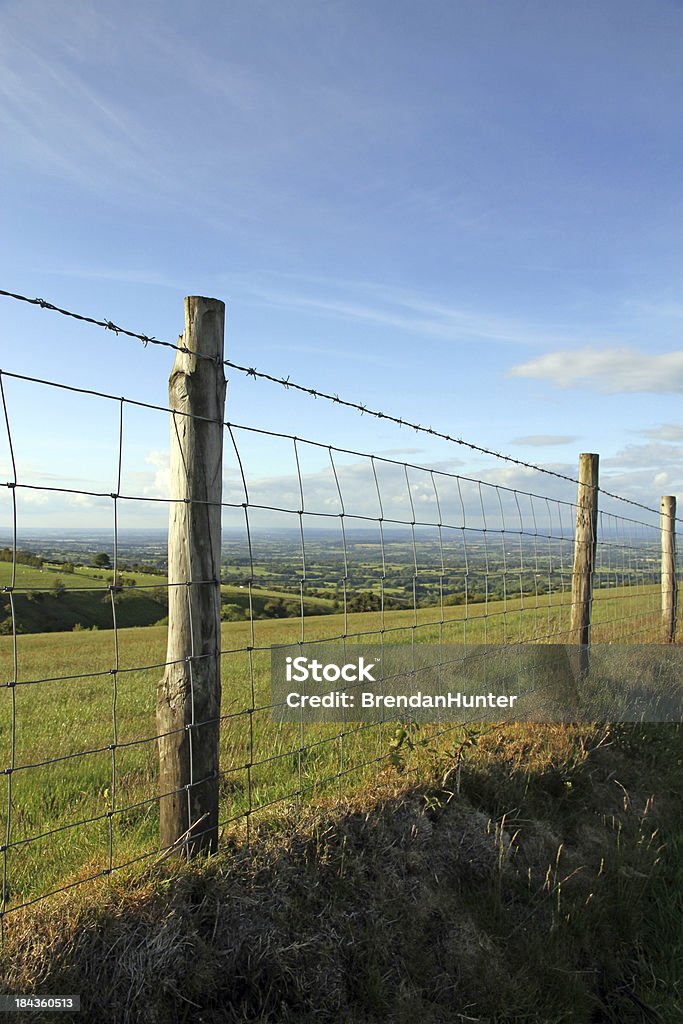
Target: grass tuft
(541,889)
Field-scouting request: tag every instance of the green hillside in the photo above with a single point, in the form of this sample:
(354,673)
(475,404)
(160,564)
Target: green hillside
(50,600)
(67,707)
(580,844)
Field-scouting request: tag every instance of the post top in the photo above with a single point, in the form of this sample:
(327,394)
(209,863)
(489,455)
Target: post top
(204,330)
(203,298)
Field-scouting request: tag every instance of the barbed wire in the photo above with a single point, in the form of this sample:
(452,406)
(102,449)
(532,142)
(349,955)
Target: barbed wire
(108,325)
(505,551)
(287,383)
(271,433)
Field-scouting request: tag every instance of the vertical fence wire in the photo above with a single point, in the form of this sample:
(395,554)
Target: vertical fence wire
(12,683)
(415,555)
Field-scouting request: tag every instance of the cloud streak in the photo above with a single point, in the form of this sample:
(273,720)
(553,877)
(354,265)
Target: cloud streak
(404,310)
(667,432)
(610,371)
(544,440)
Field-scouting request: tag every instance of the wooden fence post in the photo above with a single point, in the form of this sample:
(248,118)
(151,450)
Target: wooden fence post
(584,557)
(189,695)
(669,588)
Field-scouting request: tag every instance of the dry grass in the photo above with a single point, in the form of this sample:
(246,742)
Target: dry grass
(513,886)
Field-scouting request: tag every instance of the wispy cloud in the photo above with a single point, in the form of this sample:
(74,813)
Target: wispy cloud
(405,453)
(66,127)
(543,440)
(402,309)
(650,308)
(645,471)
(344,354)
(667,432)
(68,105)
(132,106)
(655,455)
(148,278)
(609,371)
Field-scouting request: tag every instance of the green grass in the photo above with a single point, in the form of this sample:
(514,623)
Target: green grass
(518,873)
(525,875)
(49,716)
(84,599)
(260,596)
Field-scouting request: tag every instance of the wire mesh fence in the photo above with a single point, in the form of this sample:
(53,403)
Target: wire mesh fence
(320,543)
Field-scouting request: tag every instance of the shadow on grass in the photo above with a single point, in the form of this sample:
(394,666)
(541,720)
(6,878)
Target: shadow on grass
(513,887)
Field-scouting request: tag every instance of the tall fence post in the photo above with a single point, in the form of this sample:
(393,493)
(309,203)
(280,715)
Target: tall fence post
(669,587)
(189,695)
(584,557)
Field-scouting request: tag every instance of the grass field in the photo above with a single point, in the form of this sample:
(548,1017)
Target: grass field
(519,873)
(526,875)
(95,806)
(51,600)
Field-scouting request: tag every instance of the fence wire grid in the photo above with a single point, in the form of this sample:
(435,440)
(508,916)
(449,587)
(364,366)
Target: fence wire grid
(319,543)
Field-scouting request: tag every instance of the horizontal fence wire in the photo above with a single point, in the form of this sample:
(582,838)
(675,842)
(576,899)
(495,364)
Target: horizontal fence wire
(320,543)
(288,384)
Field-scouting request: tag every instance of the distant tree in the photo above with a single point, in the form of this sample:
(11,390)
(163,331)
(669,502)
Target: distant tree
(365,601)
(232,613)
(275,609)
(58,587)
(102,560)
(160,595)
(22,557)
(280,609)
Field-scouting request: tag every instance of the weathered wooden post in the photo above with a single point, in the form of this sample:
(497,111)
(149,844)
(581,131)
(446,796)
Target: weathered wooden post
(669,587)
(584,558)
(189,695)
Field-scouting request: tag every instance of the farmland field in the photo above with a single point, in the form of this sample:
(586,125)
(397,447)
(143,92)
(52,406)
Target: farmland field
(95,808)
(51,600)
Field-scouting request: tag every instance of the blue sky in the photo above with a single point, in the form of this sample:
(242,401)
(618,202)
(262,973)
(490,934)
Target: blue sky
(464,213)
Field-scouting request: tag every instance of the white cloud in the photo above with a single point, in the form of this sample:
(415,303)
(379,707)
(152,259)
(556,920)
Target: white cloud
(542,440)
(404,453)
(655,454)
(80,500)
(26,497)
(667,432)
(160,484)
(431,496)
(611,370)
